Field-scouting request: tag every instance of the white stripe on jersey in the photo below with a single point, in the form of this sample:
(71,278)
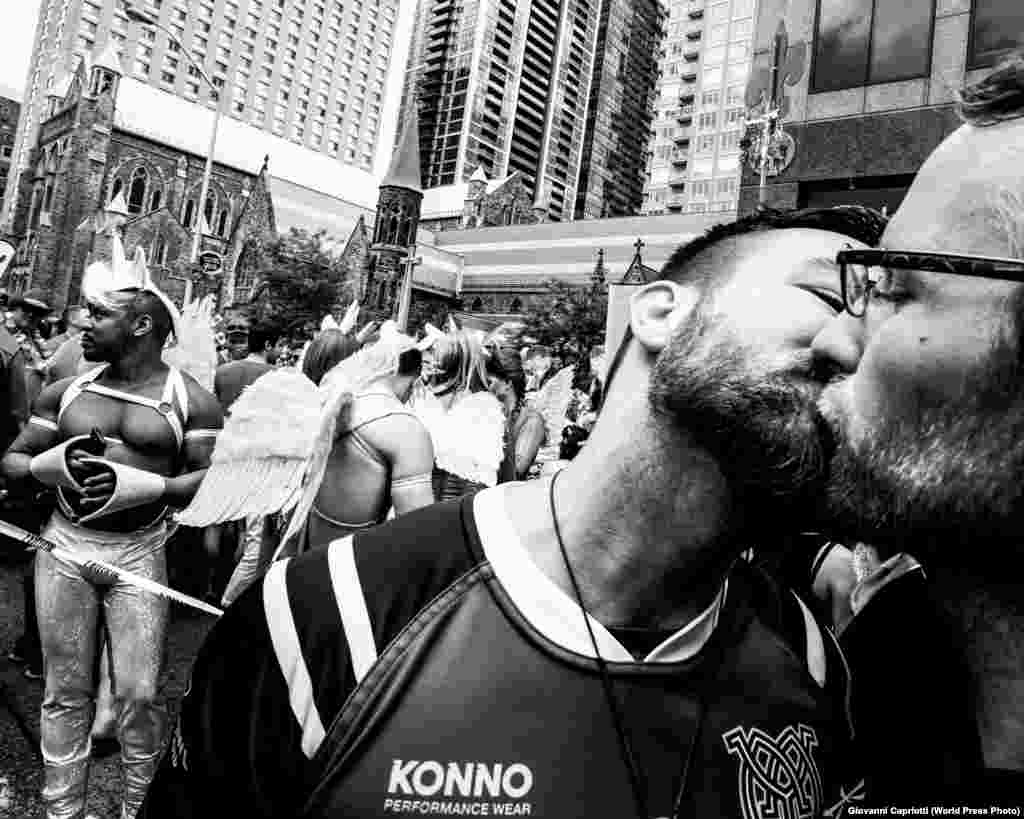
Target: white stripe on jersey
(285,640)
(355,618)
(815,645)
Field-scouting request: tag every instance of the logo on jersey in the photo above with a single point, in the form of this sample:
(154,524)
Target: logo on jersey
(495,789)
(778,777)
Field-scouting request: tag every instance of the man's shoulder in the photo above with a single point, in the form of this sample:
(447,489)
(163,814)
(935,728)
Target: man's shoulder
(394,570)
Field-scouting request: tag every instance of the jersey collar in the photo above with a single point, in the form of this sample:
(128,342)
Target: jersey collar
(554,613)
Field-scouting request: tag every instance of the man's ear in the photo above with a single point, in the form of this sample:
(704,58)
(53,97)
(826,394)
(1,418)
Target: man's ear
(657,309)
(143,325)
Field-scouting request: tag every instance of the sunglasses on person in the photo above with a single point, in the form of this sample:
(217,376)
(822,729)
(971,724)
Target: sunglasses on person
(857,282)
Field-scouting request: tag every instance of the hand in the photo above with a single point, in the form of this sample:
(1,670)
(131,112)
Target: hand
(79,464)
(98,487)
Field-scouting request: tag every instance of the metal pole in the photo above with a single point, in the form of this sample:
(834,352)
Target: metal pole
(203,190)
(405,300)
(147,19)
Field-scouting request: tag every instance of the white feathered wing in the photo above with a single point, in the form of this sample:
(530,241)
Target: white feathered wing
(552,402)
(195,350)
(468,439)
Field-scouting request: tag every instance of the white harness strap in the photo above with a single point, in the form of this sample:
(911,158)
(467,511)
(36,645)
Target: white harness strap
(175,392)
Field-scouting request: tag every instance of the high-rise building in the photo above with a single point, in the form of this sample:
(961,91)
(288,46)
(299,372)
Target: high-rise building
(870,91)
(504,85)
(693,161)
(622,95)
(312,71)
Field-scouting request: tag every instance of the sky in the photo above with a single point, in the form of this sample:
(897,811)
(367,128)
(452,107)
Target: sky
(19,26)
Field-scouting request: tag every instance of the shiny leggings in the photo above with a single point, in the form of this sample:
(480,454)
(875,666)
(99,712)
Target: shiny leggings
(67,602)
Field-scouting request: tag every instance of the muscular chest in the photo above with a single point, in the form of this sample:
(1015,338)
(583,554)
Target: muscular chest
(142,429)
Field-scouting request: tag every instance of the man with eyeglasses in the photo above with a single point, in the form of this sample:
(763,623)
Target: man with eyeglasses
(929,426)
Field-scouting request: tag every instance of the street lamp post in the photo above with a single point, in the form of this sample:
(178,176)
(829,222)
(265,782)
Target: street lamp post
(147,18)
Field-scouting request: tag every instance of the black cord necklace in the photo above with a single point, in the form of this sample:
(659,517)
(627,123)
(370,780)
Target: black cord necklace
(639,793)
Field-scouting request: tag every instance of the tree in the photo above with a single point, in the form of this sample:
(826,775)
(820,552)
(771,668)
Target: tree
(299,281)
(571,323)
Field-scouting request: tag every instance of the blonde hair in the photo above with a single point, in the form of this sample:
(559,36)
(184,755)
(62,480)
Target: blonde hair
(461,362)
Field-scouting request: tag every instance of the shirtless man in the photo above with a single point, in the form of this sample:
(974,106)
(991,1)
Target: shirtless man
(158,428)
(382,457)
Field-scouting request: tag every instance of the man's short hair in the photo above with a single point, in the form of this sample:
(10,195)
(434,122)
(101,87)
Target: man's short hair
(144,303)
(997,97)
(261,336)
(698,262)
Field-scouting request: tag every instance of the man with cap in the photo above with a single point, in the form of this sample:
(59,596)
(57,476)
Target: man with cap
(27,314)
(121,444)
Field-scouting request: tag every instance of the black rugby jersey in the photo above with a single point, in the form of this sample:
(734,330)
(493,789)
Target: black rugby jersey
(428,668)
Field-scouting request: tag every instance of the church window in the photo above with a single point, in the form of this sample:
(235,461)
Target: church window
(516,306)
(48,195)
(154,200)
(208,211)
(190,213)
(222,223)
(160,251)
(137,191)
(115,189)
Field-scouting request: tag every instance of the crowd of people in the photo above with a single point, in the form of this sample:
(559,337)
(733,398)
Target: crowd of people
(768,570)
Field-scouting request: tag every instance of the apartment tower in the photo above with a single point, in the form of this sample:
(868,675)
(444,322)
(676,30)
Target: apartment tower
(504,85)
(619,118)
(311,71)
(693,158)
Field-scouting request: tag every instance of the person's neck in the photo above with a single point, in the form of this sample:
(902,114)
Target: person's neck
(644,533)
(135,367)
(992,633)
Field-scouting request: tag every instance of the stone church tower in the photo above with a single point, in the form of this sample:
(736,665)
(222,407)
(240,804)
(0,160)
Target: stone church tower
(398,218)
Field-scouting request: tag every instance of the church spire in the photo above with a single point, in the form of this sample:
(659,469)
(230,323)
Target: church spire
(405,164)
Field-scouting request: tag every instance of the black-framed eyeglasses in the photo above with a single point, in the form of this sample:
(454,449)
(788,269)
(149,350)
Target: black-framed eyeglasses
(855,266)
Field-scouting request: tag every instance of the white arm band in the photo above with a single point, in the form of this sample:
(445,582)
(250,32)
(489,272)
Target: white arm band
(201,434)
(132,487)
(412,481)
(51,467)
(45,423)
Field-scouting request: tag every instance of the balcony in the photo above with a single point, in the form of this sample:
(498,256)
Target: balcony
(680,159)
(684,115)
(693,35)
(677,182)
(676,203)
(686,98)
(697,13)
(682,138)
(692,55)
(689,76)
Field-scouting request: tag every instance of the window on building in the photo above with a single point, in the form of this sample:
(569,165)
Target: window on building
(222,223)
(862,42)
(137,190)
(155,198)
(190,213)
(997,26)
(160,251)
(706,143)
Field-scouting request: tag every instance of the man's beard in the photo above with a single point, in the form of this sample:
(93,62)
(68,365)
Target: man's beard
(759,422)
(947,482)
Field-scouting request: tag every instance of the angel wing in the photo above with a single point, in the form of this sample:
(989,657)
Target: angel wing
(329,323)
(195,348)
(552,401)
(337,389)
(262,457)
(469,438)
